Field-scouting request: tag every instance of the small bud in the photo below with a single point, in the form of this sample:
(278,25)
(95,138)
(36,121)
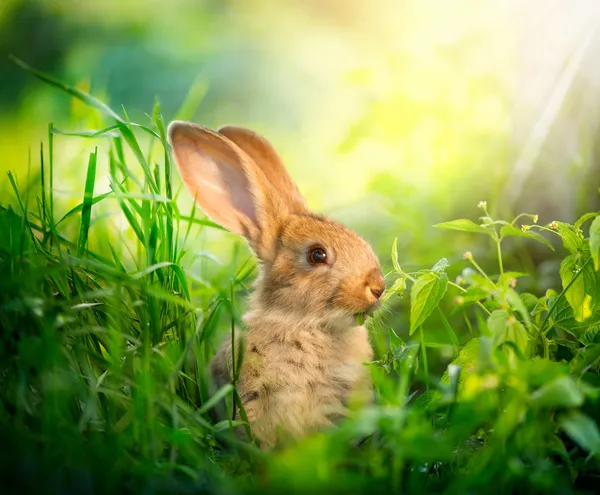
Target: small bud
(459,280)
(525,228)
(482,205)
(511,320)
(468,255)
(459,300)
(554,225)
(513,282)
(535,219)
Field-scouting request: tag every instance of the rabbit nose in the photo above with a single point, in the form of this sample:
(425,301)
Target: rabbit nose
(376,291)
(376,283)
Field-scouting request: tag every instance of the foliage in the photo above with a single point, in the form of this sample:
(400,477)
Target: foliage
(107,328)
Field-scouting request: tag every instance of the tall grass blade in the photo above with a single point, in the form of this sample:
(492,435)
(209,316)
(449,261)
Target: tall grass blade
(86,207)
(74,92)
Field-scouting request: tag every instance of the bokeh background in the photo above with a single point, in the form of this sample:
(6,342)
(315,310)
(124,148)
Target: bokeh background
(391,115)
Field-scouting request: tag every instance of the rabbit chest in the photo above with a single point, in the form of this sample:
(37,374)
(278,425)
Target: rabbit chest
(291,384)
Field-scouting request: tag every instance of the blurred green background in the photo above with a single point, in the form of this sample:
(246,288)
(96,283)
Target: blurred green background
(392,116)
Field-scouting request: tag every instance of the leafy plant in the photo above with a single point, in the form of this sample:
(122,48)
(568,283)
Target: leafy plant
(111,309)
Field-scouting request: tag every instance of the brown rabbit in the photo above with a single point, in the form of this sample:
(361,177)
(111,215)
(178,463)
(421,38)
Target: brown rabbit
(304,352)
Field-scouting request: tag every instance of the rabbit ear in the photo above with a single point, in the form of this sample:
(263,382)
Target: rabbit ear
(228,185)
(267,159)
(218,175)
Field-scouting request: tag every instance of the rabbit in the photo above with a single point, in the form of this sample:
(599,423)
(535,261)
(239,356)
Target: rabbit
(304,352)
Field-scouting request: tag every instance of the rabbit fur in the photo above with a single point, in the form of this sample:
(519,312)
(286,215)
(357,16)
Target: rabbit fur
(304,353)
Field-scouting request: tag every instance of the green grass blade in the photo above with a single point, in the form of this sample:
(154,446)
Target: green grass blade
(129,136)
(106,132)
(79,207)
(219,395)
(450,331)
(86,208)
(205,222)
(44,208)
(70,90)
(193,100)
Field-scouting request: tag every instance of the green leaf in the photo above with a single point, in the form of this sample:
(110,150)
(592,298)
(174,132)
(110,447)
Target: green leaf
(425,400)
(496,322)
(395,341)
(506,328)
(482,282)
(580,329)
(425,295)
(595,242)
(537,372)
(574,271)
(529,300)
(585,358)
(517,303)
(512,231)
(466,359)
(464,225)
(474,293)
(512,417)
(571,237)
(559,310)
(561,392)
(441,265)
(397,288)
(584,218)
(591,335)
(557,447)
(583,430)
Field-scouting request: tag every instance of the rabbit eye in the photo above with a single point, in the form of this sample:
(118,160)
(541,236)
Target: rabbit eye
(317,256)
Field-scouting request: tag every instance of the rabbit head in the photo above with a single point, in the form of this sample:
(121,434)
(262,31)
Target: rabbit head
(311,266)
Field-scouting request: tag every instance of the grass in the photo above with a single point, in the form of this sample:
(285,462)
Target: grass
(111,311)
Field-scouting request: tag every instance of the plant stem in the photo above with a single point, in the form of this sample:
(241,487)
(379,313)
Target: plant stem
(477,302)
(233,352)
(480,270)
(546,347)
(544,228)
(521,215)
(499,250)
(424,353)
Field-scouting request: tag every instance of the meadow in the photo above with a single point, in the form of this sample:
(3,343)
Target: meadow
(458,138)
(111,310)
